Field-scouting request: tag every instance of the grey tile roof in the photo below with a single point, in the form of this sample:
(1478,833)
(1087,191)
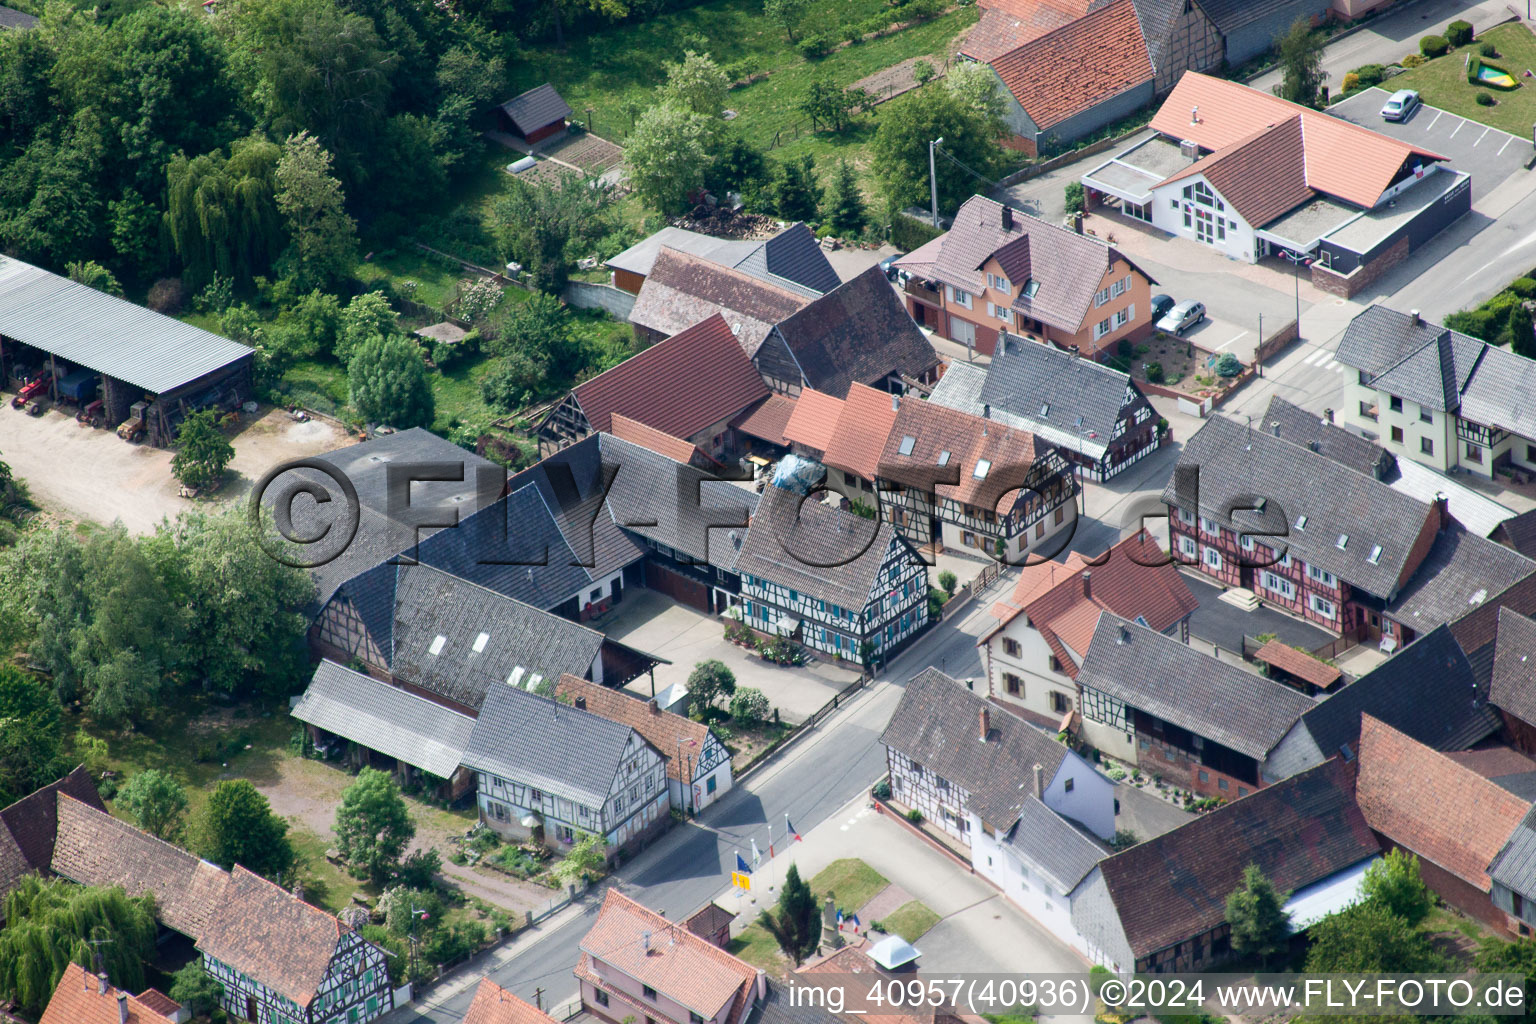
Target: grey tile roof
(1461,571)
(1379,337)
(858,333)
(1502,392)
(89,328)
(1297,425)
(790,259)
(10,18)
(1428,690)
(682,290)
(1415,359)
(639,258)
(1157,18)
(571,482)
(536,108)
(1519,533)
(960,387)
(1159,675)
(937,723)
(1054,845)
(550,746)
(1046,390)
(1514,666)
(1236,465)
(385,718)
(847,559)
(1230,15)
(1434,375)
(430,604)
(1515,866)
(680,506)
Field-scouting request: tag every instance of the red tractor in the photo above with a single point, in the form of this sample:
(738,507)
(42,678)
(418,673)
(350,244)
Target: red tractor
(32,389)
(91,415)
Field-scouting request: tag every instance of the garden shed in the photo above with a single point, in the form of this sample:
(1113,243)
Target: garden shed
(534,115)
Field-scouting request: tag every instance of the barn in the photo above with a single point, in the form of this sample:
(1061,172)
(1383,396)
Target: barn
(534,115)
(87,345)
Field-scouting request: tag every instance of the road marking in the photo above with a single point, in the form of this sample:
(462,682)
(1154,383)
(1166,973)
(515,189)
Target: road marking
(1431,126)
(1240,334)
(1505,146)
(1457,129)
(1312,359)
(1480,137)
(1331,364)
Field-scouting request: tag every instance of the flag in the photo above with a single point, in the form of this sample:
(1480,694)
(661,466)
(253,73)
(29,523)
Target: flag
(757,858)
(839,918)
(741,864)
(791,828)
(855,920)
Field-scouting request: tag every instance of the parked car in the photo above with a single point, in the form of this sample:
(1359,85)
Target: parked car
(1401,104)
(1161,304)
(1182,317)
(888,265)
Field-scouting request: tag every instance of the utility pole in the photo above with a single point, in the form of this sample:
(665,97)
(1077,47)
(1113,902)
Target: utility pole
(933,181)
(538,998)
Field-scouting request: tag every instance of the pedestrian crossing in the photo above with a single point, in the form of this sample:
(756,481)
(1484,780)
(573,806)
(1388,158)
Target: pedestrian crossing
(1324,359)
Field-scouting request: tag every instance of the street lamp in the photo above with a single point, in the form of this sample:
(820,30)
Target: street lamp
(933,181)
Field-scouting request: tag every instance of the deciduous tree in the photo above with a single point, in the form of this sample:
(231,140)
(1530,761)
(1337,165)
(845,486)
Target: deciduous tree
(696,83)
(238,827)
(1369,938)
(1394,882)
(900,148)
(787,13)
(373,825)
(668,154)
(709,683)
(1301,63)
(202,450)
(387,380)
(323,249)
(155,802)
(94,275)
(222,212)
(31,736)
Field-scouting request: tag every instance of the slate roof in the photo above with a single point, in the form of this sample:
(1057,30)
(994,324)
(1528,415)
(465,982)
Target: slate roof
(847,561)
(676,963)
(1298,663)
(1045,390)
(1297,425)
(495,1005)
(937,723)
(685,508)
(1299,831)
(1077,66)
(791,259)
(1158,18)
(863,425)
(1424,801)
(1161,676)
(1342,159)
(530,739)
(266,934)
(1263,175)
(1513,689)
(537,108)
(857,333)
(10,18)
(1008,24)
(671,734)
(1068,267)
(77,999)
(1236,463)
(1515,865)
(1500,392)
(989,459)
(682,290)
(767,419)
(572,483)
(680,386)
(1053,845)
(1461,571)
(1427,690)
(385,718)
(29,827)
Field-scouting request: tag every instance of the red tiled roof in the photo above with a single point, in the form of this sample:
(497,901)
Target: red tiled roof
(635,432)
(1007,24)
(679,386)
(708,920)
(675,962)
(1298,663)
(1341,159)
(1262,176)
(495,1005)
(29,827)
(267,934)
(681,290)
(669,733)
(78,999)
(970,440)
(1432,806)
(159,1002)
(813,420)
(767,419)
(862,427)
(1493,762)
(1072,68)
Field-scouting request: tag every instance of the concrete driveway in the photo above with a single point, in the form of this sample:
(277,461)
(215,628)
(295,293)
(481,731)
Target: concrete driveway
(1489,154)
(658,625)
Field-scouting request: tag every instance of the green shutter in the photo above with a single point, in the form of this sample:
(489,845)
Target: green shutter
(373,1005)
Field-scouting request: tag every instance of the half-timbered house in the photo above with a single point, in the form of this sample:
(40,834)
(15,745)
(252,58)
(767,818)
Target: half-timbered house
(1096,415)
(547,768)
(834,581)
(81,997)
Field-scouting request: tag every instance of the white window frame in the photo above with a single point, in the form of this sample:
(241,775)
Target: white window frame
(1212,558)
(998,283)
(1101,328)
(1322,576)
(1188,547)
(1210,526)
(1277,584)
(960,297)
(1122,317)
(1101,297)
(1322,606)
(1186,517)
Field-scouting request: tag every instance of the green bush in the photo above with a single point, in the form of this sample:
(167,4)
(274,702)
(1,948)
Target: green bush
(882,790)
(816,46)
(1370,74)
(907,233)
(1433,46)
(1228,365)
(1154,373)
(1412,60)
(1458,33)
(1525,287)
(1488,50)
(915,816)
(1075,197)
(1485,99)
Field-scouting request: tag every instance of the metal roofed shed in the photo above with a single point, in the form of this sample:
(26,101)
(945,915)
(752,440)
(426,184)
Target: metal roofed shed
(139,351)
(536,114)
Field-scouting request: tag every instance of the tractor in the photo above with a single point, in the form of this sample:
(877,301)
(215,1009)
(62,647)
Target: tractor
(132,428)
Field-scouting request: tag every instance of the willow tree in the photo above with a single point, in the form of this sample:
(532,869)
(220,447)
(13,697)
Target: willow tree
(51,924)
(222,211)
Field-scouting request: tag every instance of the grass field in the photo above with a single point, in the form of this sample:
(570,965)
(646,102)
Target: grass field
(1443,83)
(911,921)
(758,948)
(852,881)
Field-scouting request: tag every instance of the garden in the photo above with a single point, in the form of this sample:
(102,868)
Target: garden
(1172,362)
(1444,73)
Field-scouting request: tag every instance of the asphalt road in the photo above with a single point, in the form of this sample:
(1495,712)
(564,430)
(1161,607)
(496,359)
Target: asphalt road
(691,863)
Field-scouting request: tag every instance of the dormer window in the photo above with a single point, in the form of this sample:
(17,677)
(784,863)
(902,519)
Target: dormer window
(1030,288)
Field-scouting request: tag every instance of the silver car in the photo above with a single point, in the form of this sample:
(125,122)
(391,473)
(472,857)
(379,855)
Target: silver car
(1182,317)
(1402,103)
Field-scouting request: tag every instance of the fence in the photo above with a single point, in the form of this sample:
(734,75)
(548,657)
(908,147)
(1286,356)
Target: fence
(1327,652)
(616,302)
(817,717)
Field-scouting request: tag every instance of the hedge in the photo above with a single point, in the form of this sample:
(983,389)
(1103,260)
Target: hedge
(1458,33)
(1434,46)
(907,233)
(1370,74)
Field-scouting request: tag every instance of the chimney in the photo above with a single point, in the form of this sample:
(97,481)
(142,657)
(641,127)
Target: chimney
(1417,319)
(1274,426)
(1443,509)
(101,984)
(986,410)
(895,403)
(1194,115)
(122,1008)
(1074,350)
(1125,635)
(1077,222)
(581,703)
(986,723)
(645,941)
(1039,782)
(1007,218)
(1328,415)
(655,708)
(1087,583)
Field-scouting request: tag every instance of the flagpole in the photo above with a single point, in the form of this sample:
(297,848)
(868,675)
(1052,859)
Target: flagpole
(769,826)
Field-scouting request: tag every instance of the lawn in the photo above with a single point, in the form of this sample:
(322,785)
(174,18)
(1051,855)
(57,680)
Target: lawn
(911,921)
(852,881)
(758,948)
(1443,83)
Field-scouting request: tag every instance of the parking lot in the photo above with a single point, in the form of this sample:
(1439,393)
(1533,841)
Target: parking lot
(1489,154)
